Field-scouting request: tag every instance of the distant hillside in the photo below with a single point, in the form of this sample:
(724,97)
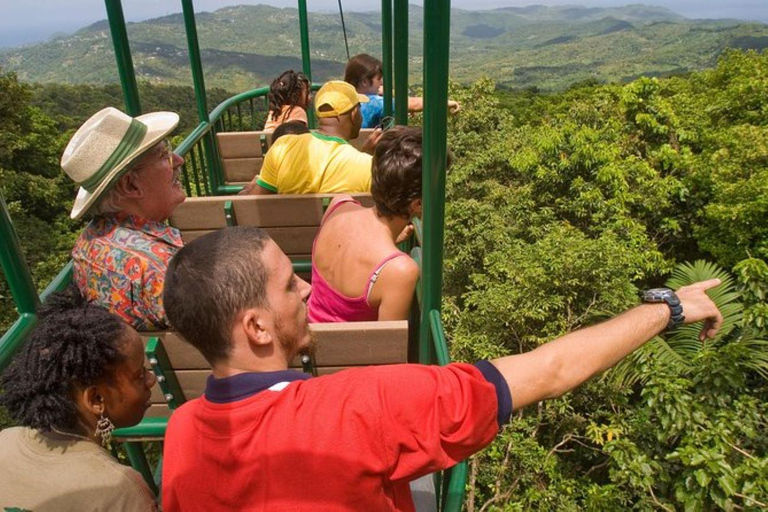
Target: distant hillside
(546,47)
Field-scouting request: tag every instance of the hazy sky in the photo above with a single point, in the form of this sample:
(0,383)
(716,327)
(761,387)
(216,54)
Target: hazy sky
(26,21)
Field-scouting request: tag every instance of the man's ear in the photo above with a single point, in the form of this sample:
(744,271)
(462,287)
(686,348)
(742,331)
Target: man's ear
(254,326)
(129,186)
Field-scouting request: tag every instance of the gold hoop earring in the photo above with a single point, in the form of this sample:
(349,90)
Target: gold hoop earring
(104,428)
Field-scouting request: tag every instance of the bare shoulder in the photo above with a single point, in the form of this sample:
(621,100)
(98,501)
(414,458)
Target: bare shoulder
(403,269)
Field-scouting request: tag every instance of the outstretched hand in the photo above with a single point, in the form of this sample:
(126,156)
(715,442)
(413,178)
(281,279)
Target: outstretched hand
(697,306)
(405,234)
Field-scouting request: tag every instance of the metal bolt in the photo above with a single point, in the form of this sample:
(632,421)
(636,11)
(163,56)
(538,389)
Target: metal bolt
(305,359)
(168,397)
(160,379)
(153,361)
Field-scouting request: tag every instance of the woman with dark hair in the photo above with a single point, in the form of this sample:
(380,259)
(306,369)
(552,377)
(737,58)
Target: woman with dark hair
(364,72)
(80,374)
(358,273)
(289,97)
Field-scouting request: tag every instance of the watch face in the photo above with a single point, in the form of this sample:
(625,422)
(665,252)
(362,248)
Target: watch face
(657,294)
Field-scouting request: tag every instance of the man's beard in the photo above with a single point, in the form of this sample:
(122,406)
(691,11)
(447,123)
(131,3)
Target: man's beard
(290,343)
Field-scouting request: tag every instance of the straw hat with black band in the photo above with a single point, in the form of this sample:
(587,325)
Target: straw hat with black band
(103,149)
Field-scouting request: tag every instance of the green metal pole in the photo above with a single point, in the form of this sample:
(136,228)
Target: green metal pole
(437,15)
(195,64)
(123,56)
(14,266)
(215,172)
(386,53)
(401,61)
(306,62)
(22,287)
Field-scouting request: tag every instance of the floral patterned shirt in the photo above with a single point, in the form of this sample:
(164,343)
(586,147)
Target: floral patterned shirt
(120,263)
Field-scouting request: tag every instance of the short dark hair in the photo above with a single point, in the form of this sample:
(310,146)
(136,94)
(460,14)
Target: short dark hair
(209,281)
(396,171)
(360,68)
(75,344)
(291,127)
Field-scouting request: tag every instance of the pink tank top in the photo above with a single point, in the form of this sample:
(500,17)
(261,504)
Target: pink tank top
(327,305)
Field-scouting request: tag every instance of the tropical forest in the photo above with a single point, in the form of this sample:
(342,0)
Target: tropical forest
(572,188)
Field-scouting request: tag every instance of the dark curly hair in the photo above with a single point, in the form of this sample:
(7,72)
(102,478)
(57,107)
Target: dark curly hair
(287,89)
(74,344)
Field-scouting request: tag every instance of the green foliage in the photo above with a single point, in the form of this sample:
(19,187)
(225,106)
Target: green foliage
(559,209)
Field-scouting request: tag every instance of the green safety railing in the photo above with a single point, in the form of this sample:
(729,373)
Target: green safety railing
(203,175)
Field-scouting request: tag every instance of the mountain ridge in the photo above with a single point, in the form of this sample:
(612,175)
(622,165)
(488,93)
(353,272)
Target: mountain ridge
(535,46)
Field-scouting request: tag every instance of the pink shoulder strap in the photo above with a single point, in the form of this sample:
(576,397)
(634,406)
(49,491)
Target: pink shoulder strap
(335,205)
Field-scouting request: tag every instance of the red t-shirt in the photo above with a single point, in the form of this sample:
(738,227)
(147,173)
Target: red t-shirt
(348,441)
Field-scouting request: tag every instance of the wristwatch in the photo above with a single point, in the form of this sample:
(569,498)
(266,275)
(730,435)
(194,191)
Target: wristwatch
(656,295)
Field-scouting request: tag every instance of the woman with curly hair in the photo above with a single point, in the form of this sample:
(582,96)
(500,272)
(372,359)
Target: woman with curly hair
(80,374)
(289,97)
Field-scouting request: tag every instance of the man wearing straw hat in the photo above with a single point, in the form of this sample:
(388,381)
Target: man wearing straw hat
(129,181)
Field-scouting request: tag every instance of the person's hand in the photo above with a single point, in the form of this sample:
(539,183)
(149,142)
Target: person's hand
(380,91)
(453,106)
(248,189)
(372,140)
(405,234)
(697,306)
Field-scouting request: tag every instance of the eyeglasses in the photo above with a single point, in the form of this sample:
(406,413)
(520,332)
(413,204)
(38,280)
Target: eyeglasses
(386,123)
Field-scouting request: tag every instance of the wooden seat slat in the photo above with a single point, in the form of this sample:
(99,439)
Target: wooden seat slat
(361,138)
(241,144)
(197,213)
(241,169)
(338,344)
(294,242)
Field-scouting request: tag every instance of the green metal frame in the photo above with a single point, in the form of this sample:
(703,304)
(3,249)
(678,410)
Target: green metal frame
(401,62)
(386,53)
(203,170)
(123,56)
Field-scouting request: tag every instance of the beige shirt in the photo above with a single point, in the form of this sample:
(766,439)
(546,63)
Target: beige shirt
(51,472)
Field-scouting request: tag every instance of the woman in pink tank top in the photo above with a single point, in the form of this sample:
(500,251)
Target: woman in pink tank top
(358,274)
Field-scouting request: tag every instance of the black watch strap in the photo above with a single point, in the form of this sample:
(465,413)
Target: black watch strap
(667,296)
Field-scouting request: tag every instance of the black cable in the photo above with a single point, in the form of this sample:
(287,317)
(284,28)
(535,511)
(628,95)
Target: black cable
(344,28)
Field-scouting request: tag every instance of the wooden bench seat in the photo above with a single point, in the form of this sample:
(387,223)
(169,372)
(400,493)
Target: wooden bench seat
(242,153)
(339,346)
(291,220)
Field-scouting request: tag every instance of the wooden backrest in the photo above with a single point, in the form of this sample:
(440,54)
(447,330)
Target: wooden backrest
(242,153)
(339,346)
(291,220)
(360,140)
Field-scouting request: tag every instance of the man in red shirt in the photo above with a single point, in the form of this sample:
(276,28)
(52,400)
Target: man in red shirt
(263,437)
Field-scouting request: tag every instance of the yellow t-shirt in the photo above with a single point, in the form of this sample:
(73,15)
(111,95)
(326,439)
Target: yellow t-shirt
(52,473)
(313,163)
